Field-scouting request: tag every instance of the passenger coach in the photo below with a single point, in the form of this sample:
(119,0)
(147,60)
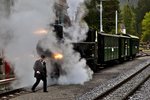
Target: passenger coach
(102,48)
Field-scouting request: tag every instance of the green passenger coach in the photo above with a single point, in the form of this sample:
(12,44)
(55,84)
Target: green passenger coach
(108,48)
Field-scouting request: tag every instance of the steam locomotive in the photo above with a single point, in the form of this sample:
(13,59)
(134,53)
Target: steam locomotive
(101,48)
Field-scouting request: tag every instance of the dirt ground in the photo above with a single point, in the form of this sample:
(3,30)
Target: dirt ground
(70,92)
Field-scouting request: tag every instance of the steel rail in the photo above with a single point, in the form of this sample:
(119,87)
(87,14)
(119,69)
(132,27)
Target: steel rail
(104,89)
(126,88)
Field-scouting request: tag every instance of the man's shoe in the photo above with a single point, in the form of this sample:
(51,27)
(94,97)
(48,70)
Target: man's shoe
(33,90)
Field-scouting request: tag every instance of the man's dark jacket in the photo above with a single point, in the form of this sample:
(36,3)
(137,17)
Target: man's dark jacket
(39,66)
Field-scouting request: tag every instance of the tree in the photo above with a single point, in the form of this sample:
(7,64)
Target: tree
(92,18)
(109,9)
(128,18)
(142,8)
(146,27)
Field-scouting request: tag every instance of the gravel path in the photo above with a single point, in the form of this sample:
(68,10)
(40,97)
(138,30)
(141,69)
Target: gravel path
(69,92)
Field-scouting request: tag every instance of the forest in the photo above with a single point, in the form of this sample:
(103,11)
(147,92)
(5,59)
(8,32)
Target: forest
(133,14)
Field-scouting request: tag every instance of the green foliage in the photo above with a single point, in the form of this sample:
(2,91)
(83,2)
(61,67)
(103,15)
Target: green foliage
(109,9)
(128,17)
(93,14)
(142,8)
(146,27)
(93,17)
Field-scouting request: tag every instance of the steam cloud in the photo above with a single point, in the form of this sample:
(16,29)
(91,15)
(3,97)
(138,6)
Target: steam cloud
(28,16)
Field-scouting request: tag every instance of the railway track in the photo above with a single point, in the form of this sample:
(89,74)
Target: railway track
(126,88)
(142,93)
(6,91)
(5,84)
(11,94)
(120,88)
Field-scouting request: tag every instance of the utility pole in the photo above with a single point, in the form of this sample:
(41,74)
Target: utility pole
(101,10)
(116,22)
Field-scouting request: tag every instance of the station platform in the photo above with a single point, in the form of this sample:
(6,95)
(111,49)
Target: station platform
(73,92)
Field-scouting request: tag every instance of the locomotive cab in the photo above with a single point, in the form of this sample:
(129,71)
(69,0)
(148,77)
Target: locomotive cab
(88,49)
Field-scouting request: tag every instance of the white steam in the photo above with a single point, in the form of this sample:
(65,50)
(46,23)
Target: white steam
(77,32)
(73,5)
(5,36)
(29,16)
(75,67)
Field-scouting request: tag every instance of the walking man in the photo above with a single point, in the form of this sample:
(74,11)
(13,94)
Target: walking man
(40,73)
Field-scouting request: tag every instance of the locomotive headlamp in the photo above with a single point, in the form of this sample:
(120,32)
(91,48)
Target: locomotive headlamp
(57,56)
(41,32)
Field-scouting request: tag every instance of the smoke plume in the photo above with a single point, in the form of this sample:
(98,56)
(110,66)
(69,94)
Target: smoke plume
(29,23)
(27,20)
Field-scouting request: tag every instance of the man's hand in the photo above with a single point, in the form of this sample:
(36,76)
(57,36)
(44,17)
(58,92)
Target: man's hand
(37,72)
